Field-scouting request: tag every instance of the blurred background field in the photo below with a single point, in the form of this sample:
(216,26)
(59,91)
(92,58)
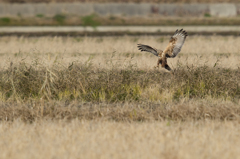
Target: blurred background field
(74,85)
(114,13)
(123,1)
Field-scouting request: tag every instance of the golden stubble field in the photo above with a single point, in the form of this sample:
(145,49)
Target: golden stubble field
(99,97)
(197,50)
(91,139)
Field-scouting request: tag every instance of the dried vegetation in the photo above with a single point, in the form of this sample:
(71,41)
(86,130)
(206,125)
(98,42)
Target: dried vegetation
(90,139)
(83,83)
(101,98)
(37,76)
(184,110)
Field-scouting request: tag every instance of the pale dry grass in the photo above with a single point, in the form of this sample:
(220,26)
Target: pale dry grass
(183,110)
(198,50)
(53,67)
(99,139)
(44,114)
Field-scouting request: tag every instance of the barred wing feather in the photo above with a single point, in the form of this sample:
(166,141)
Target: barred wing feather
(148,49)
(180,37)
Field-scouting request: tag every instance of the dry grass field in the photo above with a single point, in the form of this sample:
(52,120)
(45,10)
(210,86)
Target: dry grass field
(198,50)
(99,97)
(91,139)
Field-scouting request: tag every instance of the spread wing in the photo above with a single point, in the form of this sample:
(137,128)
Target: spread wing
(149,49)
(178,40)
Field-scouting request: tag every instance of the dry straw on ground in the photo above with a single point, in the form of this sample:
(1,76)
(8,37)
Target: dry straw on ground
(182,110)
(84,139)
(198,50)
(82,82)
(112,70)
(101,98)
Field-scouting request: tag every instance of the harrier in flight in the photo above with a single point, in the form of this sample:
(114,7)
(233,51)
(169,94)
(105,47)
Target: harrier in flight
(174,47)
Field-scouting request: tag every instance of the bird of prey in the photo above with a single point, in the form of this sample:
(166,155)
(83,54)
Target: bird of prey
(174,47)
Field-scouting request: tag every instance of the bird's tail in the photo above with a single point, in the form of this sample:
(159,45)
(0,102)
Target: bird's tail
(165,65)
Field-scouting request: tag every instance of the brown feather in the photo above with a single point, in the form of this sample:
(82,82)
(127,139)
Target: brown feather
(173,48)
(150,49)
